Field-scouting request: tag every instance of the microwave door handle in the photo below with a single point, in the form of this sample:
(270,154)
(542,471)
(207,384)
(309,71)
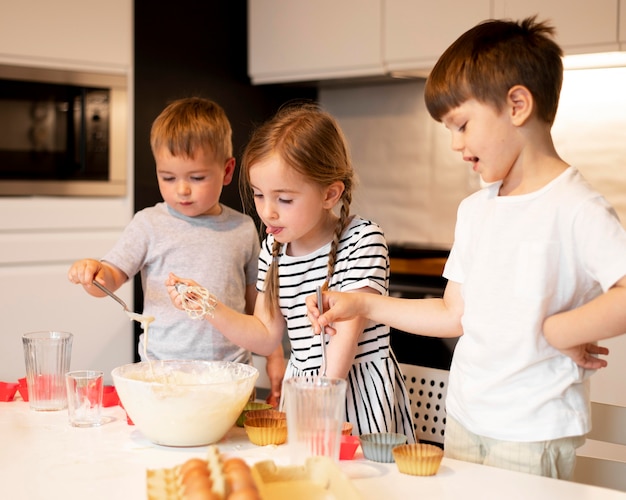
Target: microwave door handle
(82,131)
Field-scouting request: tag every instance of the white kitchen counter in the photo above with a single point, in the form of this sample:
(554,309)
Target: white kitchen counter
(42,457)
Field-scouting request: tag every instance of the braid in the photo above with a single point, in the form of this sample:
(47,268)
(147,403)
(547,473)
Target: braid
(271,281)
(344,219)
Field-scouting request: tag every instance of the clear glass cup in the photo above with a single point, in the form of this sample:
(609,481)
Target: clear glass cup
(84,397)
(315,416)
(47,356)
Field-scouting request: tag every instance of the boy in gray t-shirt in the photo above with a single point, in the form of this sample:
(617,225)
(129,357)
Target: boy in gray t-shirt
(190,233)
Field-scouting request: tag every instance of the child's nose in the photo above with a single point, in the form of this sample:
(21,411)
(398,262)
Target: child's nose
(269,211)
(183,188)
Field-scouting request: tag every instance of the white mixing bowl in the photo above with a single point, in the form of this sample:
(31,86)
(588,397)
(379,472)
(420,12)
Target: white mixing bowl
(184,403)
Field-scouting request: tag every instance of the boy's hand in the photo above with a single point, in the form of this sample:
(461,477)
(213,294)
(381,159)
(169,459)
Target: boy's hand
(338,306)
(586,355)
(84,271)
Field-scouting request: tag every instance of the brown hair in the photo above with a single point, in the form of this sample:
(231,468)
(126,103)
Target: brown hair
(188,124)
(489,59)
(310,141)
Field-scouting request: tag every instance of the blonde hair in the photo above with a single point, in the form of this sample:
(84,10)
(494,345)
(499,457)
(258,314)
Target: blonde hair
(310,141)
(190,124)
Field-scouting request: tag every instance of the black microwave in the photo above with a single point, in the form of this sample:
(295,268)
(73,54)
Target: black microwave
(62,133)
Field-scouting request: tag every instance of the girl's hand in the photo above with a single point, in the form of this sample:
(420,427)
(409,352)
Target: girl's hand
(175,297)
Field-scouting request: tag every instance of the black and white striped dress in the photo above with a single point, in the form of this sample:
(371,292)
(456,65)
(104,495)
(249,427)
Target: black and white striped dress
(377,399)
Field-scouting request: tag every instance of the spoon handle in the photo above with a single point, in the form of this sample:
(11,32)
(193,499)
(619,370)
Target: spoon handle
(111,294)
(322,333)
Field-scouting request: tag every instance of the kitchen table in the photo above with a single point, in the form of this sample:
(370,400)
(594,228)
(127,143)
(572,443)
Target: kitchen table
(43,457)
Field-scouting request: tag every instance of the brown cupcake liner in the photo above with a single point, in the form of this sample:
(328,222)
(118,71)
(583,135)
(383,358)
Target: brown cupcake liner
(418,459)
(265,431)
(266,413)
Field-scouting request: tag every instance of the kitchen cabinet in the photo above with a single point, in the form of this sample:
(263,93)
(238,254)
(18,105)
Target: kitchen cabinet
(41,236)
(417,32)
(310,40)
(292,41)
(67,33)
(581,26)
(39,239)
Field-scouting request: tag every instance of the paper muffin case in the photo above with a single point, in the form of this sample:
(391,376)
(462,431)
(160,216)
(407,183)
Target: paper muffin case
(251,406)
(264,431)
(418,459)
(378,446)
(267,413)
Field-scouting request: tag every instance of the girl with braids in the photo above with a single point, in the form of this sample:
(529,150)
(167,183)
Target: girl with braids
(297,169)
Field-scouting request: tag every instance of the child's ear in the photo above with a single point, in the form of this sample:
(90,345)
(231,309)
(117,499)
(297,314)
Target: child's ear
(521,103)
(333,194)
(229,170)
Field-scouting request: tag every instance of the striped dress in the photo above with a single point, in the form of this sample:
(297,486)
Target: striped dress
(377,399)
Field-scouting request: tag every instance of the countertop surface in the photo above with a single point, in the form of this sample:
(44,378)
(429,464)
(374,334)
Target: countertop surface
(43,457)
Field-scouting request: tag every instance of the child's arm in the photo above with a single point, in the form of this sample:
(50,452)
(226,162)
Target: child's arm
(601,318)
(275,362)
(84,271)
(342,347)
(275,368)
(430,317)
(260,333)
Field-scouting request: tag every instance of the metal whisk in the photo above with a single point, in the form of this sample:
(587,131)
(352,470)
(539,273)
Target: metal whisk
(197,301)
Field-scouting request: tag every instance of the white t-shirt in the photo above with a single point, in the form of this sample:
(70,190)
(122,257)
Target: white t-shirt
(520,259)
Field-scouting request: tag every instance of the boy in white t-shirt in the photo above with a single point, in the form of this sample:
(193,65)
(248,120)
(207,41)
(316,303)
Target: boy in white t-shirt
(536,250)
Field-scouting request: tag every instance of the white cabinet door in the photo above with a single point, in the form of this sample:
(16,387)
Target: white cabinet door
(40,297)
(300,40)
(582,26)
(416,32)
(67,33)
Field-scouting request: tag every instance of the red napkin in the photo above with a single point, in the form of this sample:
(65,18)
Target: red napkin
(8,390)
(23,388)
(128,420)
(109,396)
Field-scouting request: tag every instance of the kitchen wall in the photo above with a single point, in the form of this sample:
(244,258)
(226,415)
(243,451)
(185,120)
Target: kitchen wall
(411,182)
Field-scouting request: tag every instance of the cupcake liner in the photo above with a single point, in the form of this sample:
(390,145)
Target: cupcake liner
(348,447)
(269,413)
(377,447)
(264,431)
(251,406)
(418,459)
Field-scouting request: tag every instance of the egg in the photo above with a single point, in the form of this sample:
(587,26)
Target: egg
(191,464)
(195,484)
(239,478)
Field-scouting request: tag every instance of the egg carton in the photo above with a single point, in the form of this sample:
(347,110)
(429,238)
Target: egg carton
(212,479)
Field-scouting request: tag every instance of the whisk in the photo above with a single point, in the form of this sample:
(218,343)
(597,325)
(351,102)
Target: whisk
(197,301)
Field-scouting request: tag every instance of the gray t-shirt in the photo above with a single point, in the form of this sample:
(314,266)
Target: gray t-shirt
(218,252)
